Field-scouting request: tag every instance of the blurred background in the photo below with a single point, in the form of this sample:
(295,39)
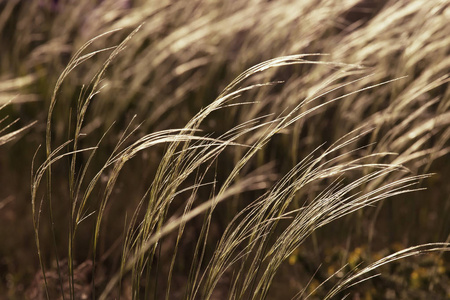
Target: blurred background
(183,56)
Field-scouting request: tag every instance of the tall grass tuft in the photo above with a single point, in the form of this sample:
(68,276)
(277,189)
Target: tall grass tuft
(196,157)
(269,227)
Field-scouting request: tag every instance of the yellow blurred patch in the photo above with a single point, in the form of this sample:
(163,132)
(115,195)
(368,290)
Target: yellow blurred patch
(355,257)
(293,257)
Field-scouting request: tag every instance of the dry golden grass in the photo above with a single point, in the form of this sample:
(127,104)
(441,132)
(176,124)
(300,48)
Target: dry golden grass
(225,176)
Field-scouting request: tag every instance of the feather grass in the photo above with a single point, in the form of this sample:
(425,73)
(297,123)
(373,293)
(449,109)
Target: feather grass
(381,95)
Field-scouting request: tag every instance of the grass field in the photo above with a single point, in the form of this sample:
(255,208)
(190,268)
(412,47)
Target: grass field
(224,149)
